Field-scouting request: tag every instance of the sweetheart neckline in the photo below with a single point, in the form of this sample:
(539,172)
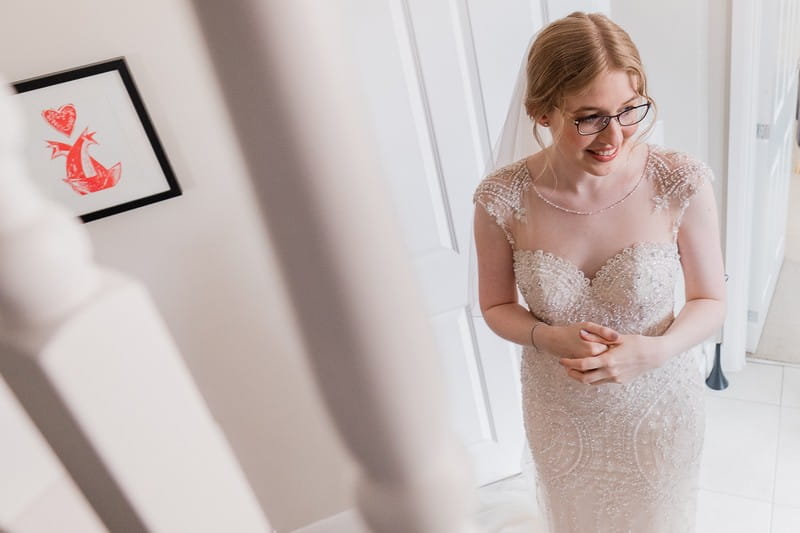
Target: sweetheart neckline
(606,264)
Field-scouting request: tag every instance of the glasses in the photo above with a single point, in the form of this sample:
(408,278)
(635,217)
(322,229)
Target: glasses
(597,123)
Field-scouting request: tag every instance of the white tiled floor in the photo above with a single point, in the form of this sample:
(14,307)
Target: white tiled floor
(791,387)
(740,448)
(719,512)
(752,452)
(787,478)
(750,474)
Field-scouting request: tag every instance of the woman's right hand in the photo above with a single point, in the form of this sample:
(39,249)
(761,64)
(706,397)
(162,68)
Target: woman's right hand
(567,341)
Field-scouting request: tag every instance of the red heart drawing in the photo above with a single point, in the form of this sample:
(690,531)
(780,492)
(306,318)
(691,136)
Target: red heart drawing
(63,120)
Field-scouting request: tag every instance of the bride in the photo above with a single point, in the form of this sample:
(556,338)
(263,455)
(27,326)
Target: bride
(593,231)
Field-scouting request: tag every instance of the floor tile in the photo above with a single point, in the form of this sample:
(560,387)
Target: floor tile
(756,382)
(787,479)
(510,506)
(785,519)
(740,448)
(791,387)
(724,513)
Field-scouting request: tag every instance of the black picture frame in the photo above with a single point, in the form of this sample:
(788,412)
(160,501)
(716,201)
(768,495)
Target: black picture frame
(101,94)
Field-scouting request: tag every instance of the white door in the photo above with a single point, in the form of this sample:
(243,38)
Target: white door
(775,109)
(437,77)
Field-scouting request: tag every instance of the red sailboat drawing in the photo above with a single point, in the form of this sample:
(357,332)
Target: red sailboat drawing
(84,173)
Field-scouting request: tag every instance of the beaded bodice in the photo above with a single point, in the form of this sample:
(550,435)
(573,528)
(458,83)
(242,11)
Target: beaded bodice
(631,293)
(633,290)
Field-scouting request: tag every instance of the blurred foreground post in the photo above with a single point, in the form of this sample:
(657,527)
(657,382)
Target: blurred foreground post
(293,102)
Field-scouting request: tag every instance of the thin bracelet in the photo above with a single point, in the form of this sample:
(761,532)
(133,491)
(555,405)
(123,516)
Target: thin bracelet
(535,325)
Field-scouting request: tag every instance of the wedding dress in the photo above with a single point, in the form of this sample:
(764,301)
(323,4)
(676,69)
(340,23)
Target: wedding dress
(609,458)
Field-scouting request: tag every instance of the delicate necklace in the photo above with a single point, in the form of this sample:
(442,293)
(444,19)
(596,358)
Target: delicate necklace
(596,211)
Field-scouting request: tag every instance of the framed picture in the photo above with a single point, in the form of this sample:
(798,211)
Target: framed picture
(90,144)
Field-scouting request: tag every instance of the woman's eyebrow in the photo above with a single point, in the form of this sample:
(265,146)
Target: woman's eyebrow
(590,108)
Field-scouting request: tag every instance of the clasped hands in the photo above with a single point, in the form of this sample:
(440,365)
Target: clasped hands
(595,354)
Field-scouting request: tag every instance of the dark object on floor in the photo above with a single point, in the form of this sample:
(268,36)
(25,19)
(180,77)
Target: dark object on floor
(716,379)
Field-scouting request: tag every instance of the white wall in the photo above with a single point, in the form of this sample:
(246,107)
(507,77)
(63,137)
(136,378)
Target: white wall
(684,46)
(203,256)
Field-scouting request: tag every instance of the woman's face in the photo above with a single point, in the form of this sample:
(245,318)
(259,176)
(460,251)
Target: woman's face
(598,154)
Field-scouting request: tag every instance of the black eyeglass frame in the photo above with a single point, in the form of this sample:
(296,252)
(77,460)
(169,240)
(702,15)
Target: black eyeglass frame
(608,118)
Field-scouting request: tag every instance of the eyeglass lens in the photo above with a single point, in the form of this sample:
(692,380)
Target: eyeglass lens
(628,118)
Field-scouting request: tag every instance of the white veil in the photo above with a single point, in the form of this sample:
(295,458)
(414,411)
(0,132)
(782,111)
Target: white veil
(516,138)
(514,142)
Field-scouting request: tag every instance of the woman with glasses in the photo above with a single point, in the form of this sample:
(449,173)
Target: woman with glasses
(594,230)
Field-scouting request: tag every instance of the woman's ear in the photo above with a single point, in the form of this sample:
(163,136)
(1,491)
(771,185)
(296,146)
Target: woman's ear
(544,120)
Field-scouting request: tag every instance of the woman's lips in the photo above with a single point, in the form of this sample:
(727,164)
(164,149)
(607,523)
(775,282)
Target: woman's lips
(603,156)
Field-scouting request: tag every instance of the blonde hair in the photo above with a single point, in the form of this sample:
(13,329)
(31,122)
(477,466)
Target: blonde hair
(569,54)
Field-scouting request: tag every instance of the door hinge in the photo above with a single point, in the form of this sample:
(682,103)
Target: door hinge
(762,131)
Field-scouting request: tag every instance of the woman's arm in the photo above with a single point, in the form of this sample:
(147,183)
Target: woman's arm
(500,308)
(704,275)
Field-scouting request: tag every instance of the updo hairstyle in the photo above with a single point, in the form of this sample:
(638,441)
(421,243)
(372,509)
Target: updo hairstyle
(569,54)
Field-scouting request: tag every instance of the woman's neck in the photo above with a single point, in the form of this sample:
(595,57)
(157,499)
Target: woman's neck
(561,176)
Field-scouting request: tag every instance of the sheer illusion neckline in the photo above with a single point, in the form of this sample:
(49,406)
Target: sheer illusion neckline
(606,266)
(616,203)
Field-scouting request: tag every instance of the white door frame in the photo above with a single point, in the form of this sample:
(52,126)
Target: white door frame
(745,39)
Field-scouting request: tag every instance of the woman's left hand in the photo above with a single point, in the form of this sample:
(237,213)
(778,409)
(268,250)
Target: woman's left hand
(624,360)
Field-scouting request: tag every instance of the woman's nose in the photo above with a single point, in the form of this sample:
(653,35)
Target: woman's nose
(612,134)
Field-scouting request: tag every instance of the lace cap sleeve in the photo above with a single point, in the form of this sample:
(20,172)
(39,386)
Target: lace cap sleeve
(500,195)
(677,177)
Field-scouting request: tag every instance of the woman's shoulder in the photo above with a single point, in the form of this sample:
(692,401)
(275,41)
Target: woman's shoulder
(667,161)
(509,173)
(676,175)
(504,184)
